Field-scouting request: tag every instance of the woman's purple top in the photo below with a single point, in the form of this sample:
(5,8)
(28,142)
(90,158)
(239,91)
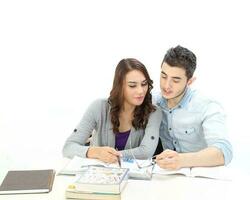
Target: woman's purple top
(121,140)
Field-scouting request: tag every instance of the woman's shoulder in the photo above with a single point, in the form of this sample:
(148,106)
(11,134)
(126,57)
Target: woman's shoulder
(157,113)
(99,104)
(157,108)
(100,101)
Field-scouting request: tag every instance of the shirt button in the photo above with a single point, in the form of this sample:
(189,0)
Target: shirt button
(170,112)
(75,130)
(152,137)
(175,142)
(170,129)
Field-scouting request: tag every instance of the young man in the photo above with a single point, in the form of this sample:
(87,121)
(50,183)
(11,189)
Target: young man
(193,131)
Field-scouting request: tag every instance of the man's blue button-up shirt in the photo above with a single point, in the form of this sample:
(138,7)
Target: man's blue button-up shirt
(194,124)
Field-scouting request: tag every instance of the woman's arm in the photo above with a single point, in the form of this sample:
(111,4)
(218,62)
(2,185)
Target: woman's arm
(75,144)
(150,140)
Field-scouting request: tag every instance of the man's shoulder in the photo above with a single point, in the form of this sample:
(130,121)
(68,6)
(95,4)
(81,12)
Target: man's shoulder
(200,101)
(199,98)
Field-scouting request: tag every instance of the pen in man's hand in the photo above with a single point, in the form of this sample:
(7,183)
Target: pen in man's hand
(153,159)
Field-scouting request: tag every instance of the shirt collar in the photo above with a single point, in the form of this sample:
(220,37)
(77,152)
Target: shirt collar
(183,102)
(186,98)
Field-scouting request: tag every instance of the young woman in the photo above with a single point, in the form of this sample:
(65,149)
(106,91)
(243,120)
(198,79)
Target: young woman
(126,124)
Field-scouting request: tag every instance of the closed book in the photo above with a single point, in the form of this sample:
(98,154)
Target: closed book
(27,181)
(73,194)
(101,180)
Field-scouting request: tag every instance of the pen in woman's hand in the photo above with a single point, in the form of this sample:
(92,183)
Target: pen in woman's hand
(119,159)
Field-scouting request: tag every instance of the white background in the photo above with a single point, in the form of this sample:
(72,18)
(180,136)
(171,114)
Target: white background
(56,57)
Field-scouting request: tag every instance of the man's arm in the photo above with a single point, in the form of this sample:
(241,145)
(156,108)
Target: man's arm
(210,156)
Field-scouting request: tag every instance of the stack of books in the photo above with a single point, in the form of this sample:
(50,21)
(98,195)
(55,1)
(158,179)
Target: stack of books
(98,183)
(78,165)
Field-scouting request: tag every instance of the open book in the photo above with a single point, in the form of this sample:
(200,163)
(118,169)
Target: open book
(138,169)
(78,165)
(219,172)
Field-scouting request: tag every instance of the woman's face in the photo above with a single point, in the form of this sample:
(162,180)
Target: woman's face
(135,88)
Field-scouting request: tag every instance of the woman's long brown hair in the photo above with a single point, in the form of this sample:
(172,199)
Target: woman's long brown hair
(116,98)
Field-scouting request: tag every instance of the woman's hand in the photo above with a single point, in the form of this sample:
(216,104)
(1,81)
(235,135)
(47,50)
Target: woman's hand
(106,154)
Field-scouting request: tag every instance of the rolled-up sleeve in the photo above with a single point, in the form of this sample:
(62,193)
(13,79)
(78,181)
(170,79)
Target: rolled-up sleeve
(215,131)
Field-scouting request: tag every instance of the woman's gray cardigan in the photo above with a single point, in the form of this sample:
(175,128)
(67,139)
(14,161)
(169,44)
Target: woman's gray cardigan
(97,118)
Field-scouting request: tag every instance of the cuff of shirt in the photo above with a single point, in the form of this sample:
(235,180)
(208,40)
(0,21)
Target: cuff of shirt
(226,149)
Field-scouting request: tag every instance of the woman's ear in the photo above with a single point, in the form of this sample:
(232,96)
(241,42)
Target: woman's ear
(191,80)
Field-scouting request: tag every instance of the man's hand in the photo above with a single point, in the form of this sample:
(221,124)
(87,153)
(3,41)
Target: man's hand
(106,154)
(208,157)
(169,159)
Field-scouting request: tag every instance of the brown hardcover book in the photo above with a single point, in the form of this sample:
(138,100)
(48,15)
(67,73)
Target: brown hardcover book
(28,181)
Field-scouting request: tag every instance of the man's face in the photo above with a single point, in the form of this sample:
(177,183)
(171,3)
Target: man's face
(173,81)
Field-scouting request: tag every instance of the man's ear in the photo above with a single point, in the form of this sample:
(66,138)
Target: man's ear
(191,80)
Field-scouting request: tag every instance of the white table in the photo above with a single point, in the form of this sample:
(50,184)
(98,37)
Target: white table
(173,187)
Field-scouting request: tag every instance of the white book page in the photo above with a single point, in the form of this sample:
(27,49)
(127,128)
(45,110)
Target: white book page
(135,172)
(78,164)
(219,172)
(160,171)
(102,175)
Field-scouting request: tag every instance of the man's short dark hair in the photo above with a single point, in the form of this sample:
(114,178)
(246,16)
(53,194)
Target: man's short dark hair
(181,57)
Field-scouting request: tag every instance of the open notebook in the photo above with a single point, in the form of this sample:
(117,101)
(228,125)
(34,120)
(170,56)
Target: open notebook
(219,172)
(78,165)
(138,169)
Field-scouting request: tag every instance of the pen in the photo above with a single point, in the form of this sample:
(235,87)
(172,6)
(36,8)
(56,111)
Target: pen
(119,159)
(153,160)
